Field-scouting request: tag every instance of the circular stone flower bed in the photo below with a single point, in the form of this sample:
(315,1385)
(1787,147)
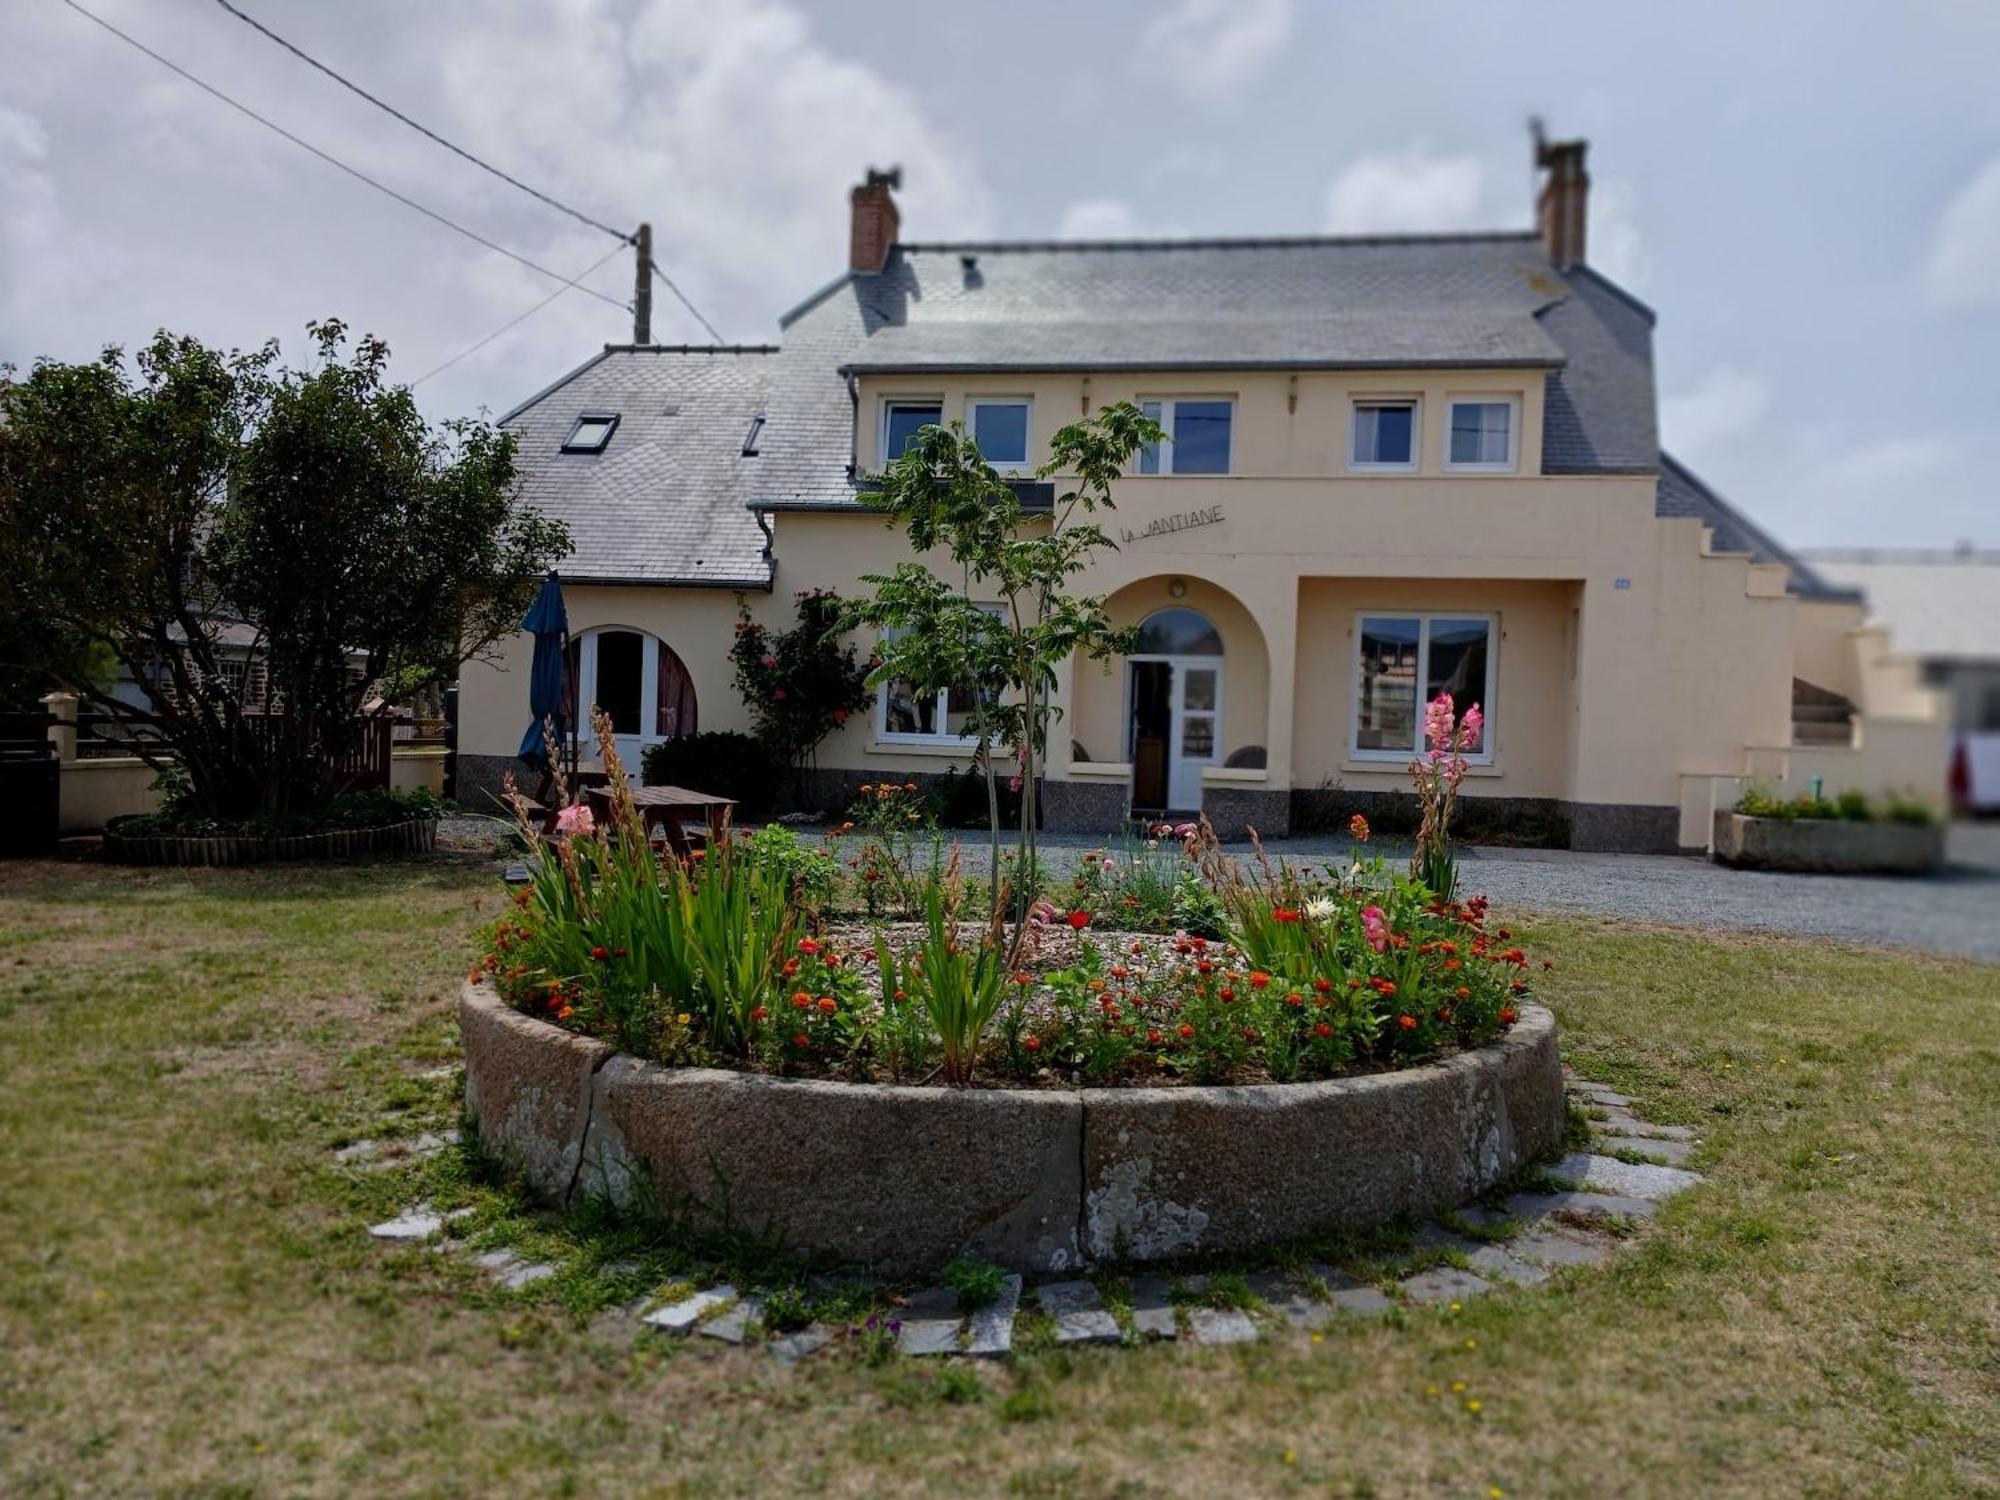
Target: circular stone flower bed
(901,1179)
(409,836)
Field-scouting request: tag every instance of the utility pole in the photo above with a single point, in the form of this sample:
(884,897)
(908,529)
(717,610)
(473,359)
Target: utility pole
(642,287)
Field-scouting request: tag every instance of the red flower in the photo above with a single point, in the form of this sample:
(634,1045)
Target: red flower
(1323,985)
(801,1000)
(1259,980)
(828,1004)
(1186,1032)
(600,953)
(1408,1023)
(1033,1043)
(790,968)
(1153,1037)
(1322,1030)
(1295,999)
(1507,1015)
(1285,914)
(801,1040)
(1078,919)
(1463,993)
(1227,994)
(758,1013)
(1358,827)
(807,945)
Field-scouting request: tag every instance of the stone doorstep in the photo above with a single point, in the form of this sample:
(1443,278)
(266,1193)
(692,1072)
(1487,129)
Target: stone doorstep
(1153,1315)
(1673,1153)
(793,1347)
(931,1322)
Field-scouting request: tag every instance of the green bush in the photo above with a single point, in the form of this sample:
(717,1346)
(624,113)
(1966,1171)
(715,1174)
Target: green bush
(958,800)
(1912,810)
(722,763)
(1758,800)
(1854,806)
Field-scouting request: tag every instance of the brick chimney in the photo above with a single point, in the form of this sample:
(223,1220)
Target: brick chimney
(1562,212)
(875,221)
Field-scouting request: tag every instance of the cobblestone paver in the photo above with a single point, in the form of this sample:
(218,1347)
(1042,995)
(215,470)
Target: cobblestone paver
(1524,1241)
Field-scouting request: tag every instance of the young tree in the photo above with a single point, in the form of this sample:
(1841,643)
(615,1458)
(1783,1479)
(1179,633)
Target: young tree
(312,516)
(947,498)
(799,684)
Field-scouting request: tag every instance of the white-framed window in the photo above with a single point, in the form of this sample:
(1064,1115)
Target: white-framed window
(901,419)
(1384,434)
(908,715)
(1402,660)
(591,433)
(1482,437)
(1000,425)
(1199,430)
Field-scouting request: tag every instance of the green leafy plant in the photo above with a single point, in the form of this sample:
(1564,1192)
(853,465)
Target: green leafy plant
(959,985)
(976,1282)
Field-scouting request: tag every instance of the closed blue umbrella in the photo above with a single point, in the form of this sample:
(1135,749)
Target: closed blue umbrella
(548,622)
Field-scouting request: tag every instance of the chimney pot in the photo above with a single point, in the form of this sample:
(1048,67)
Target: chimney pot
(1562,211)
(875,221)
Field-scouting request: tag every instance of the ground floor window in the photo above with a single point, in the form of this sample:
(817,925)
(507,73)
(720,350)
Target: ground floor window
(905,712)
(1402,662)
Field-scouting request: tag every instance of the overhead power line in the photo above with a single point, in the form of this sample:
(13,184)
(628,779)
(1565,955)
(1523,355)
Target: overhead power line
(511,323)
(623,235)
(681,297)
(334,161)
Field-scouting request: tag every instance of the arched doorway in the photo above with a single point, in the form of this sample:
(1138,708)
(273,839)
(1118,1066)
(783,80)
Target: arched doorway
(639,681)
(1173,708)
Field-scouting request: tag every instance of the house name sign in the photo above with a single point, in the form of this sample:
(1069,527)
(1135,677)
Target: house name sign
(1186,520)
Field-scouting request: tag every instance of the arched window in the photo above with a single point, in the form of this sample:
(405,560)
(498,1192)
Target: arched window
(1178,632)
(637,679)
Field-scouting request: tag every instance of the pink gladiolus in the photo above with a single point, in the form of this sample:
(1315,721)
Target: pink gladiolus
(1438,720)
(1375,925)
(1013,783)
(1469,727)
(575,818)
(770,661)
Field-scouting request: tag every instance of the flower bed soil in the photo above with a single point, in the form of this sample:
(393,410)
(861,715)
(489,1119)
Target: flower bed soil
(409,836)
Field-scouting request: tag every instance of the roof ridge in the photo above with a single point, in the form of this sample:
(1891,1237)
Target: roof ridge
(1222,242)
(691,348)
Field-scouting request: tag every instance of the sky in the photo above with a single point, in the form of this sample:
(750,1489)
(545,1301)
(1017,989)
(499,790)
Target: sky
(1807,193)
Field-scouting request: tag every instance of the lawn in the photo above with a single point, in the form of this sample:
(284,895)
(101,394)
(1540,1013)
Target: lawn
(190,1304)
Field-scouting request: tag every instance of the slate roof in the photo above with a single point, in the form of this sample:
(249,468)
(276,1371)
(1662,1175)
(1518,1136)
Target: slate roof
(1319,302)
(1682,493)
(665,501)
(1943,605)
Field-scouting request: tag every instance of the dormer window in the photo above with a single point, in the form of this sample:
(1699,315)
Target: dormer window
(902,421)
(592,431)
(1000,428)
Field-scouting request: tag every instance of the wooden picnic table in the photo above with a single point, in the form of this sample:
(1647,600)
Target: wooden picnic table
(666,809)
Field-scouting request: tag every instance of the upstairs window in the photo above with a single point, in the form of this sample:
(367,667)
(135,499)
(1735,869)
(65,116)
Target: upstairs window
(592,431)
(1385,435)
(1198,434)
(1000,428)
(901,420)
(1482,435)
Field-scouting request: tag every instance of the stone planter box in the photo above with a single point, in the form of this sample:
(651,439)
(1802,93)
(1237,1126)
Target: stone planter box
(1828,846)
(414,836)
(901,1179)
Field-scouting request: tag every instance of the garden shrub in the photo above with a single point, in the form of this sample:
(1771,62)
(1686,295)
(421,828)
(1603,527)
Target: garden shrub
(720,762)
(372,809)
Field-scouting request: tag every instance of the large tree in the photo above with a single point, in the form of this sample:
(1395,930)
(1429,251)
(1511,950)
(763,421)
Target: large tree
(188,508)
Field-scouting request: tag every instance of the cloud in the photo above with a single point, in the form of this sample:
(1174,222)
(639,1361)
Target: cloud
(1098,219)
(1964,265)
(1615,245)
(1210,49)
(1722,407)
(1410,192)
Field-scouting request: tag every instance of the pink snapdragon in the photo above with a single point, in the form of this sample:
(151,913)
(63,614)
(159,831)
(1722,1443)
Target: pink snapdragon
(1375,927)
(575,819)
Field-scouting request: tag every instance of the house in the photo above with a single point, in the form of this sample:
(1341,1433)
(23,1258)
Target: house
(1394,466)
(1944,607)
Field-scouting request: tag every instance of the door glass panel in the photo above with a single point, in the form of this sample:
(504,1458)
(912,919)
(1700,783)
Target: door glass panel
(620,660)
(1198,736)
(1386,706)
(1198,689)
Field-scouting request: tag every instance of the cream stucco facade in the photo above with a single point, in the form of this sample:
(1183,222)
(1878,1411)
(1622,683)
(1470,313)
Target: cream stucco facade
(1637,675)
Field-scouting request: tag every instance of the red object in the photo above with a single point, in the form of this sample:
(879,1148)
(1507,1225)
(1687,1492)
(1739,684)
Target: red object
(1078,919)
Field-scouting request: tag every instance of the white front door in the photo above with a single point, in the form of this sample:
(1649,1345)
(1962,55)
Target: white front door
(1197,728)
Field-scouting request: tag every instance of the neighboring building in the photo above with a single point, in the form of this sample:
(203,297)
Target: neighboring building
(1944,607)
(1395,465)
